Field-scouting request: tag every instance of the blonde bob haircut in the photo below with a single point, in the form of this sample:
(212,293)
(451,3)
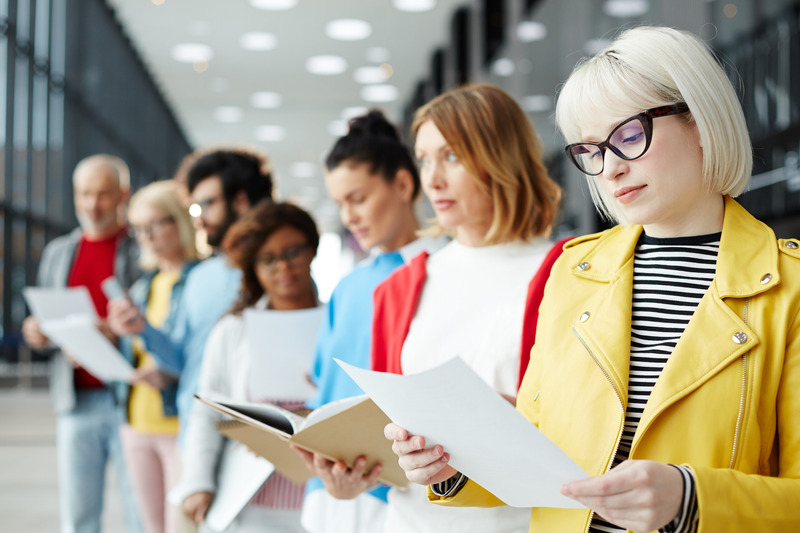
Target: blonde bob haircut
(169,198)
(491,136)
(648,67)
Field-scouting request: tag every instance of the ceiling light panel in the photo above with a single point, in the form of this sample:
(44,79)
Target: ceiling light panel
(270,133)
(273,5)
(414,6)
(367,75)
(529,31)
(192,53)
(626,8)
(303,169)
(266,100)
(258,41)
(326,65)
(379,93)
(348,29)
(228,114)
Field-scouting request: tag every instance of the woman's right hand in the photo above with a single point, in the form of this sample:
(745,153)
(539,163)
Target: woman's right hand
(196,505)
(421,465)
(124,317)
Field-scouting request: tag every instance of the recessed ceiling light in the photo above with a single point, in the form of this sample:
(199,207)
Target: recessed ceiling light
(626,8)
(367,75)
(377,54)
(353,112)
(414,6)
(270,133)
(258,41)
(192,52)
(380,93)
(529,31)
(537,103)
(228,114)
(503,67)
(348,29)
(326,65)
(266,100)
(273,5)
(338,128)
(303,169)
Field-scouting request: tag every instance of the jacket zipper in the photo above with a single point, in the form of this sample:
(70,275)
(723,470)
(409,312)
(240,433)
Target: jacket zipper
(619,397)
(737,431)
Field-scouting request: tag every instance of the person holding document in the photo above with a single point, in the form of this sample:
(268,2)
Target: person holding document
(672,373)
(481,168)
(87,435)
(372,177)
(166,236)
(273,246)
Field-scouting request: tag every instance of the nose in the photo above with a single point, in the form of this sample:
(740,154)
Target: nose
(431,176)
(613,166)
(349,215)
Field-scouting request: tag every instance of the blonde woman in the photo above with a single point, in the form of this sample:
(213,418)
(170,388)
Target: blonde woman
(164,230)
(673,378)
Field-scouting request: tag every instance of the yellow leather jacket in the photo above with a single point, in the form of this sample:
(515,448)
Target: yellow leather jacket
(727,404)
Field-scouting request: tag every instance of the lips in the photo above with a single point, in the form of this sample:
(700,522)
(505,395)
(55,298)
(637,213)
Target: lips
(626,194)
(441,205)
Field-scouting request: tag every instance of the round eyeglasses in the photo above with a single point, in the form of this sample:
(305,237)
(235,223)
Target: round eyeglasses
(629,140)
(291,256)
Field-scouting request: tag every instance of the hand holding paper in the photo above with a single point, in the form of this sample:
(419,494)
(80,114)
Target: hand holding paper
(484,436)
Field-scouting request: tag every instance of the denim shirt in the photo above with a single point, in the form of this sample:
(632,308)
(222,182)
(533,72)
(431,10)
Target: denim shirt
(140,294)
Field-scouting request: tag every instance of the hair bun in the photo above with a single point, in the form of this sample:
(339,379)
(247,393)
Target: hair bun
(373,124)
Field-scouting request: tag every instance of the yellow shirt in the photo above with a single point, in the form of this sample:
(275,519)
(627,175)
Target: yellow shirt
(145,407)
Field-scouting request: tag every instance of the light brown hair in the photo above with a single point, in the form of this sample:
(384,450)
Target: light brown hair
(490,134)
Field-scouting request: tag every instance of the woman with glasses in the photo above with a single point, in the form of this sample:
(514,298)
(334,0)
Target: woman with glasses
(481,168)
(672,375)
(273,245)
(166,237)
(371,175)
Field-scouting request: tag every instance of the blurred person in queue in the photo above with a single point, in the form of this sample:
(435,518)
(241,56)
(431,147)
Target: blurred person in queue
(273,246)
(166,236)
(223,185)
(88,422)
(371,175)
(673,379)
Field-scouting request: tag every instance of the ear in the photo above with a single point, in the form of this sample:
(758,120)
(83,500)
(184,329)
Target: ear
(124,196)
(404,184)
(240,203)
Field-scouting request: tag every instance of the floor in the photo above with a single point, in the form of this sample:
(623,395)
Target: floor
(28,479)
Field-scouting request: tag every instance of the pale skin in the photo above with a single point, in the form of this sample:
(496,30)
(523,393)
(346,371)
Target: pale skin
(99,198)
(639,495)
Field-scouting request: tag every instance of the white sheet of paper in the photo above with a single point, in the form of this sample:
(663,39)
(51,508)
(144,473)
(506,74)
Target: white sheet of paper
(282,346)
(487,439)
(241,474)
(79,337)
(48,304)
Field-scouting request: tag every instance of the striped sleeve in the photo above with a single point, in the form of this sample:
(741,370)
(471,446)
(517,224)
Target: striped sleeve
(449,487)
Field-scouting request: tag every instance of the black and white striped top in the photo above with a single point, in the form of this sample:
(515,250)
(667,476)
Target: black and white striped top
(670,276)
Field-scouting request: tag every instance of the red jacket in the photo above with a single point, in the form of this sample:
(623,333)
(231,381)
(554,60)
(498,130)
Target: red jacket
(395,304)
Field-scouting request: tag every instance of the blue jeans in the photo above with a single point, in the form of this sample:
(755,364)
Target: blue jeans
(87,437)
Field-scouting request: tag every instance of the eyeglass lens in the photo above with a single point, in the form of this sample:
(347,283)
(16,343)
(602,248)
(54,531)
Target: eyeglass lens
(628,140)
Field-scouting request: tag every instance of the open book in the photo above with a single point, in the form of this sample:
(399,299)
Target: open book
(342,430)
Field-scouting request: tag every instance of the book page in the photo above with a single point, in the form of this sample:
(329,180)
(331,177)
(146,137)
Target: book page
(330,409)
(47,304)
(487,439)
(282,346)
(276,418)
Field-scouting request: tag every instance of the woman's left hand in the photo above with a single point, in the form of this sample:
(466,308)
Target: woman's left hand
(638,495)
(341,482)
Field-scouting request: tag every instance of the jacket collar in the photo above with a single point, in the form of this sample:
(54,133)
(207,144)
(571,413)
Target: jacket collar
(744,268)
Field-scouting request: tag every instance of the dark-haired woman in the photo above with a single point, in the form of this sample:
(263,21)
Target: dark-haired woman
(273,245)
(372,177)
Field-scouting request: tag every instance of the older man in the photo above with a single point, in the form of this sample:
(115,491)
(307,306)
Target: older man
(88,421)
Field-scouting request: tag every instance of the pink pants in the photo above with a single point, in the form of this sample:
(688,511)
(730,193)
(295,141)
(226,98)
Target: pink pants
(153,469)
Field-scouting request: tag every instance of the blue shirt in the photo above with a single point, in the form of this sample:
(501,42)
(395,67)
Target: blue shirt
(346,333)
(211,288)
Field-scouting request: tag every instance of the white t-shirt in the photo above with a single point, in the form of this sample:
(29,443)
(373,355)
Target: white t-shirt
(472,305)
